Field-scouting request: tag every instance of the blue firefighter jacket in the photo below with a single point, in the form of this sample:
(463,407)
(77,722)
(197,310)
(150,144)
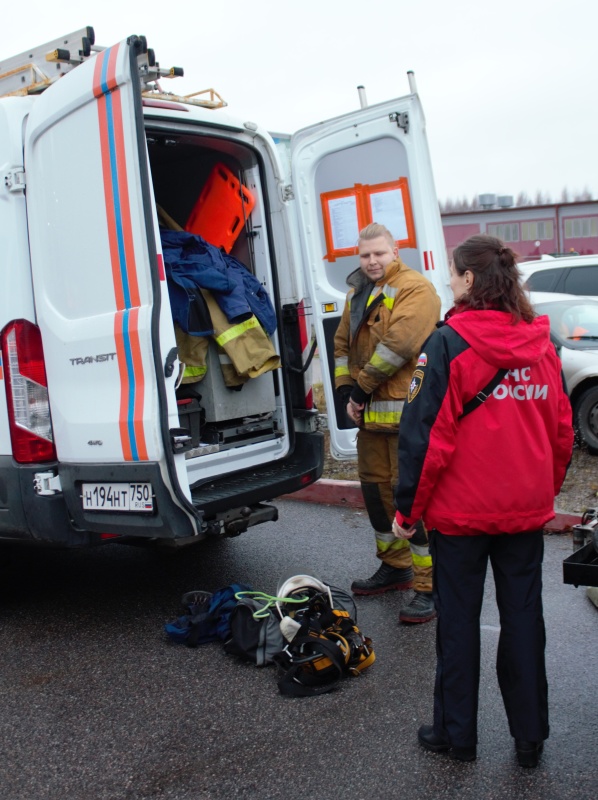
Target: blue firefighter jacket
(193,264)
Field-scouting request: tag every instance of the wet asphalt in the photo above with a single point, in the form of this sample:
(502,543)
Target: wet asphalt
(96,703)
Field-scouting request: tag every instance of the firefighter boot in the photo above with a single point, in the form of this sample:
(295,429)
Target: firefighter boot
(420,609)
(384,579)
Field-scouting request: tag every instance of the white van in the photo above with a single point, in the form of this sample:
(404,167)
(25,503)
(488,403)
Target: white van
(106,432)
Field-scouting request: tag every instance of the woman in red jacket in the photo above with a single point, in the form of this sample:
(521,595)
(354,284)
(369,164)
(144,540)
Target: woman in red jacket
(486,438)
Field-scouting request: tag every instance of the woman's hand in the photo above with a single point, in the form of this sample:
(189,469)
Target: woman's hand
(402,533)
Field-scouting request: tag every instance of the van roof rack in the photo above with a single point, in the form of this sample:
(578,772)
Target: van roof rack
(34,70)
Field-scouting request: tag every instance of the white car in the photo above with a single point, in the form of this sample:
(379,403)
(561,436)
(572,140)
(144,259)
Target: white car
(568,274)
(574,330)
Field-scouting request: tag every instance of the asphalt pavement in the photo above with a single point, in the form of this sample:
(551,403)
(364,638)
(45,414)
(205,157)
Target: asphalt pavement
(97,704)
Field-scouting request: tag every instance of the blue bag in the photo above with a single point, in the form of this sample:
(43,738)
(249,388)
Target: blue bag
(208,616)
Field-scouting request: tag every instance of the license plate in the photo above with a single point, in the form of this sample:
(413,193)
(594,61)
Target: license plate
(117,497)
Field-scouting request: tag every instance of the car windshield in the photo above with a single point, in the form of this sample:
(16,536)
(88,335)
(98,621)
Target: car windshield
(573,322)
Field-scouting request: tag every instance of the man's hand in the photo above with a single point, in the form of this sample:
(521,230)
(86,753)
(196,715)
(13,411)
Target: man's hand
(355,411)
(402,533)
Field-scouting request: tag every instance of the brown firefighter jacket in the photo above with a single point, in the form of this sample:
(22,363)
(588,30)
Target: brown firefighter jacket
(379,338)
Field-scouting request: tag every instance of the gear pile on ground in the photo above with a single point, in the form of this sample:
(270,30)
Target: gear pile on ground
(307,629)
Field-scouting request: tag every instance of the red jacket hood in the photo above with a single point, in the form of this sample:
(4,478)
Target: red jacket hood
(500,341)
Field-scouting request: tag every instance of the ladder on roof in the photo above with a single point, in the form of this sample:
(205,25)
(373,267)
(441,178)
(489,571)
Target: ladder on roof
(34,70)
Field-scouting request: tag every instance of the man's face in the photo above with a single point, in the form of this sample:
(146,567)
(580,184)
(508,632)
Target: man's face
(375,255)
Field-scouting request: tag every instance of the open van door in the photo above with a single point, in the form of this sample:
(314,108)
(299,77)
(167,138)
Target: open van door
(372,165)
(100,292)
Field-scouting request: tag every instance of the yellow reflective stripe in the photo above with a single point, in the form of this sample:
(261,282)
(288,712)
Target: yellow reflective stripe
(421,561)
(389,302)
(341,372)
(382,365)
(194,371)
(389,291)
(237,330)
(388,355)
(385,412)
(396,544)
(383,417)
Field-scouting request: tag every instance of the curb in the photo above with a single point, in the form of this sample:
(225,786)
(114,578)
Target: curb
(348,494)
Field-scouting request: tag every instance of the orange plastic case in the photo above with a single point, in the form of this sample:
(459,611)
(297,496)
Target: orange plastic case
(221,209)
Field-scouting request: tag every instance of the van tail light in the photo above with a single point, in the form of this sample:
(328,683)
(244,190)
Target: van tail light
(27,393)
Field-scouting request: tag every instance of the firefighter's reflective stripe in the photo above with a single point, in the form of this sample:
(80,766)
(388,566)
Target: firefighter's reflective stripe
(387,542)
(194,372)
(341,367)
(237,330)
(421,555)
(350,294)
(390,294)
(385,360)
(372,297)
(387,412)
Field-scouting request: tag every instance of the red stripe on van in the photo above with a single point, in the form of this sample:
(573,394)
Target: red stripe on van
(139,384)
(124,386)
(122,256)
(426,266)
(161,272)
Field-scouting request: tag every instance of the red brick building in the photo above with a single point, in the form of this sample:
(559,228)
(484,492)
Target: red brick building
(530,230)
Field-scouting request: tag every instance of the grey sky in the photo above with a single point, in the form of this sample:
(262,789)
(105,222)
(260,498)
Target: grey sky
(508,89)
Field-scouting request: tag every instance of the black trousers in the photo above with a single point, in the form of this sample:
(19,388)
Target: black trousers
(460,564)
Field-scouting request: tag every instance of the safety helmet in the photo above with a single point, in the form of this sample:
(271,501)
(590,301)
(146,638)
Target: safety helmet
(298,587)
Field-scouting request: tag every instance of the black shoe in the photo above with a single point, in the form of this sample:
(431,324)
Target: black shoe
(528,753)
(420,609)
(385,579)
(428,739)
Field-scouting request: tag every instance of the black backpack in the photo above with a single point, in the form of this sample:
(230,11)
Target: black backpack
(255,633)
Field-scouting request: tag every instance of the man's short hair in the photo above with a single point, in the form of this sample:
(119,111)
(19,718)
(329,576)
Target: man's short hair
(374,230)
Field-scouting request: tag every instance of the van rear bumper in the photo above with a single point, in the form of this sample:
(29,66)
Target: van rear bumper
(26,516)
(60,519)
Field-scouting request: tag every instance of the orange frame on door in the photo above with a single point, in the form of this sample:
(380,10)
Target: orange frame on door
(363,212)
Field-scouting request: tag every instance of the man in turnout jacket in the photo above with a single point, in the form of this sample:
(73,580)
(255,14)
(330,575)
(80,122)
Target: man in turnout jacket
(484,481)
(390,311)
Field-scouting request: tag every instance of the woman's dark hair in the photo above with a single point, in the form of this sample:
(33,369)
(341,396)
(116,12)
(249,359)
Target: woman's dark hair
(496,282)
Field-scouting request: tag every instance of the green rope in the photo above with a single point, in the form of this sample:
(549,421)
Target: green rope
(269,601)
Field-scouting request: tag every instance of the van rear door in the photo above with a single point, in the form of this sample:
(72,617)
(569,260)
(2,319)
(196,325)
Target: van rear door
(99,284)
(372,165)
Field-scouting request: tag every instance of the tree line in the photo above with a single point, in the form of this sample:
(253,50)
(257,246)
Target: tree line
(453,205)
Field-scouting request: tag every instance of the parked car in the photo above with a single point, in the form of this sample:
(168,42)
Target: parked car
(574,330)
(569,275)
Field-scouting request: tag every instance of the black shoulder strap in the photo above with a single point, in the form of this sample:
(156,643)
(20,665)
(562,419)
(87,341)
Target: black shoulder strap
(483,394)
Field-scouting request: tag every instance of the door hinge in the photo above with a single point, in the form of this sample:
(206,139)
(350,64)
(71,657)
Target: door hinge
(46,483)
(14,180)
(401,118)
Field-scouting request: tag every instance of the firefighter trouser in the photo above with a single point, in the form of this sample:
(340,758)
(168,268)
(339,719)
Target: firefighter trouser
(460,564)
(378,468)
